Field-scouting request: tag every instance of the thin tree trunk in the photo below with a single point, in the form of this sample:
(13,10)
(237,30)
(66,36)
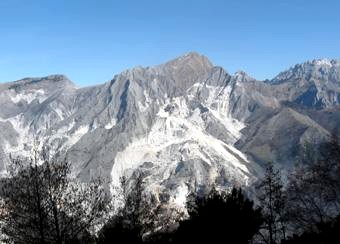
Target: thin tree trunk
(40,214)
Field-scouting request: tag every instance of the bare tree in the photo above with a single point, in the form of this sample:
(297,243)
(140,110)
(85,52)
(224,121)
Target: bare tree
(272,201)
(42,204)
(314,187)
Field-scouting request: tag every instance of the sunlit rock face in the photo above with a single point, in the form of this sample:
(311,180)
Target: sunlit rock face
(185,124)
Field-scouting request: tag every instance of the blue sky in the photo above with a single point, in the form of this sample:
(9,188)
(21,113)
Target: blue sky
(91,40)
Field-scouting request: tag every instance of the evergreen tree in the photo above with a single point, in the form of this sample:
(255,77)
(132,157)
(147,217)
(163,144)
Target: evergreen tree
(220,218)
(142,219)
(129,224)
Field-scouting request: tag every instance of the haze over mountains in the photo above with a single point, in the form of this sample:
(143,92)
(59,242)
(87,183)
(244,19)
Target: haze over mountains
(185,124)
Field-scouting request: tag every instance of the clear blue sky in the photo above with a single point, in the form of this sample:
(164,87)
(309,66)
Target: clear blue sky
(91,40)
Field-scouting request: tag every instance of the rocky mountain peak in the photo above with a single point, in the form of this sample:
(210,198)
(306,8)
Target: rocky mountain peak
(322,62)
(317,69)
(174,76)
(191,60)
(242,76)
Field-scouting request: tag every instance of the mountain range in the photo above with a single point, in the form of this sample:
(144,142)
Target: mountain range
(185,124)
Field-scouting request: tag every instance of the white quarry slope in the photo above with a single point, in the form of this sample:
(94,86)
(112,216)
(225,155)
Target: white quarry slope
(218,103)
(28,97)
(179,135)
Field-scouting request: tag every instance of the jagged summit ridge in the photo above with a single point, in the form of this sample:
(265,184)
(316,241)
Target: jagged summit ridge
(50,78)
(317,69)
(325,62)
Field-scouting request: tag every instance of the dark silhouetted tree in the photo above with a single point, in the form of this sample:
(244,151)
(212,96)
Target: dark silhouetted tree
(325,233)
(220,218)
(42,204)
(314,188)
(270,194)
(126,226)
(141,219)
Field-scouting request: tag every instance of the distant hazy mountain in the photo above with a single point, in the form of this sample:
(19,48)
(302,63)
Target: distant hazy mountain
(186,123)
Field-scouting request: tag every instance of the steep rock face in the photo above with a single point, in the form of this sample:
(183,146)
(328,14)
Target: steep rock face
(312,84)
(185,124)
(280,136)
(29,108)
(299,105)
